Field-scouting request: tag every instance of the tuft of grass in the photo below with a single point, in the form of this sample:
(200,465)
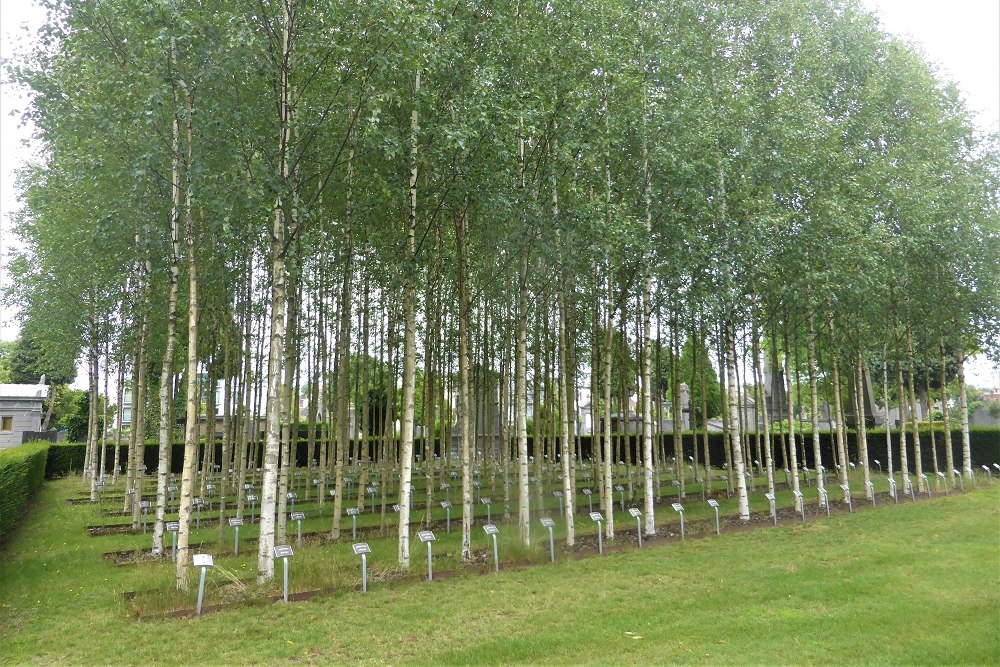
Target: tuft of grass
(917,583)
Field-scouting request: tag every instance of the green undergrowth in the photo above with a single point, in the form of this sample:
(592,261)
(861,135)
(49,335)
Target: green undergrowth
(917,583)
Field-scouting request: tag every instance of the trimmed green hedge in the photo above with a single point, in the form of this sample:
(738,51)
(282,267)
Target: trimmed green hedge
(67,457)
(22,470)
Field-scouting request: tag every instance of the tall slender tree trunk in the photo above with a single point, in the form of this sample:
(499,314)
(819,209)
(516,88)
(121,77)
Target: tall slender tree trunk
(963,415)
(521,399)
(814,398)
(409,344)
(191,435)
(735,435)
(265,544)
(167,369)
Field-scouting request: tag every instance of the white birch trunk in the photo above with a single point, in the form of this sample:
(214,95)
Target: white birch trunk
(409,346)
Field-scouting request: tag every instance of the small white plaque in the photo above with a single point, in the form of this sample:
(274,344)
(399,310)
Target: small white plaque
(202,560)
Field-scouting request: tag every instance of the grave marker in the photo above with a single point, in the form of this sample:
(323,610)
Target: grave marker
(204,561)
(598,518)
(802,504)
(172,527)
(446,504)
(236,523)
(353,513)
(680,510)
(297,518)
(362,549)
(492,531)
(284,552)
(427,537)
(847,497)
(714,504)
(549,523)
(634,511)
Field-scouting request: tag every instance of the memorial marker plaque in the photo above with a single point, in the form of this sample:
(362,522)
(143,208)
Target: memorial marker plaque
(714,504)
(492,531)
(427,537)
(204,561)
(680,510)
(284,552)
(802,504)
(847,496)
(637,515)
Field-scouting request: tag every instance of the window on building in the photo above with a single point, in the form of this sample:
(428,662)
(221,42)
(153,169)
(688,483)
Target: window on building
(6,424)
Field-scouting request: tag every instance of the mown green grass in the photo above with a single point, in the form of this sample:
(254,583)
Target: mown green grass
(916,583)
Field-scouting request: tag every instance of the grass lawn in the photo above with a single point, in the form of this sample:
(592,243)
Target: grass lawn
(917,583)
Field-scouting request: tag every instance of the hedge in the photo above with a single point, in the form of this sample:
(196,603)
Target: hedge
(22,470)
(67,458)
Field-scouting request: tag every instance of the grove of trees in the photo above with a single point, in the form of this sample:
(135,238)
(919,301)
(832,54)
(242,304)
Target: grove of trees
(404,208)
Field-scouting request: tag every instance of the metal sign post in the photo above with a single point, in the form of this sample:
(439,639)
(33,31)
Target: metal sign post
(172,528)
(961,482)
(680,510)
(824,500)
(284,552)
(236,523)
(714,504)
(940,476)
(372,491)
(892,490)
(590,500)
(492,531)
(362,549)
(621,489)
(427,537)
(198,502)
(597,517)
(774,512)
(802,504)
(926,484)
(297,518)
(559,497)
(847,497)
(204,561)
(446,504)
(291,495)
(252,499)
(879,464)
(549,523)
(871,489)
(353,513)
(447,491)
(144,506)
(489,514)
(634,511)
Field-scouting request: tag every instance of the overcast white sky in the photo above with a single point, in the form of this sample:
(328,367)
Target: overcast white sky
(961,36)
